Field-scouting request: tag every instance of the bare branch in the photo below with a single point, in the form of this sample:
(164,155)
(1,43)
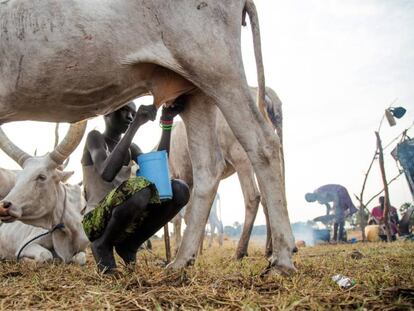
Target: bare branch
(386,193)
(377,194)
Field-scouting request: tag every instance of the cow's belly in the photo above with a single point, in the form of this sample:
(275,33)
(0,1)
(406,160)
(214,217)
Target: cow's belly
(74,98)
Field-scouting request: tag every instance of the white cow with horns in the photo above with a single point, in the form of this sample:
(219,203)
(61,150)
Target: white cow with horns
(64,61)
(39,196)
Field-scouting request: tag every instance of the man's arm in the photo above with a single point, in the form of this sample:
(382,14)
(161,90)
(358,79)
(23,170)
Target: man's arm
(109,166)
(167,120)
(135,152)
(95,144)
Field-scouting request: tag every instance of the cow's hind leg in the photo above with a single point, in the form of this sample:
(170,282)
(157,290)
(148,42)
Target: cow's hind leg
(177,220)
(263,149)
(268,247)
(208,164)
(251,196)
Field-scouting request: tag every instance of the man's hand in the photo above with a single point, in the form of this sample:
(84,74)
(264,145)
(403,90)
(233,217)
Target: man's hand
(146,113)
(168,113)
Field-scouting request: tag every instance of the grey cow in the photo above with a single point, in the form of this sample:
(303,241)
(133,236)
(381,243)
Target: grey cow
(64,61)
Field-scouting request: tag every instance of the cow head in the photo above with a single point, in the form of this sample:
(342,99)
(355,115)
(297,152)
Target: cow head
(274,111)
(37,188)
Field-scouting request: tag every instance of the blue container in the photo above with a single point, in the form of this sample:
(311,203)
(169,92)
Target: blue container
(154,167)
(322,235)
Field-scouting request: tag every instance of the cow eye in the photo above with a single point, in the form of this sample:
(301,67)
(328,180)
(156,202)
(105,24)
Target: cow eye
(41,177)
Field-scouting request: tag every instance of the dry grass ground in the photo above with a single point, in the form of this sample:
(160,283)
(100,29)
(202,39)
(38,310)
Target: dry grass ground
(384,275)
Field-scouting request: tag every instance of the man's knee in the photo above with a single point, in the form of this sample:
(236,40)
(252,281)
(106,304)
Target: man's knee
(181,192)
(141,198)
(134,204)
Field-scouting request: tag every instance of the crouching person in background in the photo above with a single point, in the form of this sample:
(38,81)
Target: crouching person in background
(123,211)
(378,219)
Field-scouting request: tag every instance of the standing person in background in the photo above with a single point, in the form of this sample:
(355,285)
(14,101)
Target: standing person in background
(378,217)
(342,205)
(124,211)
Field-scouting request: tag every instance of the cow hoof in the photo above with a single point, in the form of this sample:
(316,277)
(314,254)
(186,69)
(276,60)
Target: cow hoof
(278,270)
(79,259)
(180,264)
(281,265)
(44,256)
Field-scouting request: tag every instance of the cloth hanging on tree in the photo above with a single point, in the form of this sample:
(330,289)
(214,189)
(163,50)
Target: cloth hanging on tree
(404,153)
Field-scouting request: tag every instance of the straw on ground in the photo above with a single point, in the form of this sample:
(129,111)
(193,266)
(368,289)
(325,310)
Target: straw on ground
(384,275)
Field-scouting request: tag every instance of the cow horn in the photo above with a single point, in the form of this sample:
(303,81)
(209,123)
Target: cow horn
(69,143)
(12,150)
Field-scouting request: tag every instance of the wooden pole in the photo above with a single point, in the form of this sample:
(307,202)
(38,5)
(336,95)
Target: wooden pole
(167,243)
(362,206)
(386,193)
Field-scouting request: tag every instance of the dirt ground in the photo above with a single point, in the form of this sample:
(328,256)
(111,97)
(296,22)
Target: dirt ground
(384,275)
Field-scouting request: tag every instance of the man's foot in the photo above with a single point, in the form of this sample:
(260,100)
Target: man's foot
(128,255)
(104,257)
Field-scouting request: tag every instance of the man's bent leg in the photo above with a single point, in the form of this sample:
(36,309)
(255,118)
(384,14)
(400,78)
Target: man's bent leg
(122,216)
(155,217)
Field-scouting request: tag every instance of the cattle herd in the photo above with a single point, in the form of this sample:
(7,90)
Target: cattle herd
(68,61)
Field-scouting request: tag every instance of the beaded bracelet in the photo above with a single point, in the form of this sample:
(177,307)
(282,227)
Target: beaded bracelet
(167,125)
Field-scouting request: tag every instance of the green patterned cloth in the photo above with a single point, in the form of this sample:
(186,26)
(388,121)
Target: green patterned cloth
(95,222)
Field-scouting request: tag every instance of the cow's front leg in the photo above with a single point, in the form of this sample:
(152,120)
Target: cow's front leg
(37,253)
(79,259)
(208,164)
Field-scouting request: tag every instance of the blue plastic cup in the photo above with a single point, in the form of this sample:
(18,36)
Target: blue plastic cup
(154,167)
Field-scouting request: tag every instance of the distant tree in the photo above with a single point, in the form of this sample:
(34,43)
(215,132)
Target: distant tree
(231,231)
(259,230)
(236,224)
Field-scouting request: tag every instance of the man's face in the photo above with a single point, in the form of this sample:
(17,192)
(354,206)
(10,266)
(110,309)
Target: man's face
(120,119)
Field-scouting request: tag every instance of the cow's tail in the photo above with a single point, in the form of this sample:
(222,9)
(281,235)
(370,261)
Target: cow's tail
(250,9)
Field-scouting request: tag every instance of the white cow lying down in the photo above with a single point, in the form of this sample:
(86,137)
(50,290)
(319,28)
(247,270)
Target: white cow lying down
(233,159)
(70,60)
(40,187)
(14,236)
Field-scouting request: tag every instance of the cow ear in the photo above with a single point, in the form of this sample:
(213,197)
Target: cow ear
(64,176)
